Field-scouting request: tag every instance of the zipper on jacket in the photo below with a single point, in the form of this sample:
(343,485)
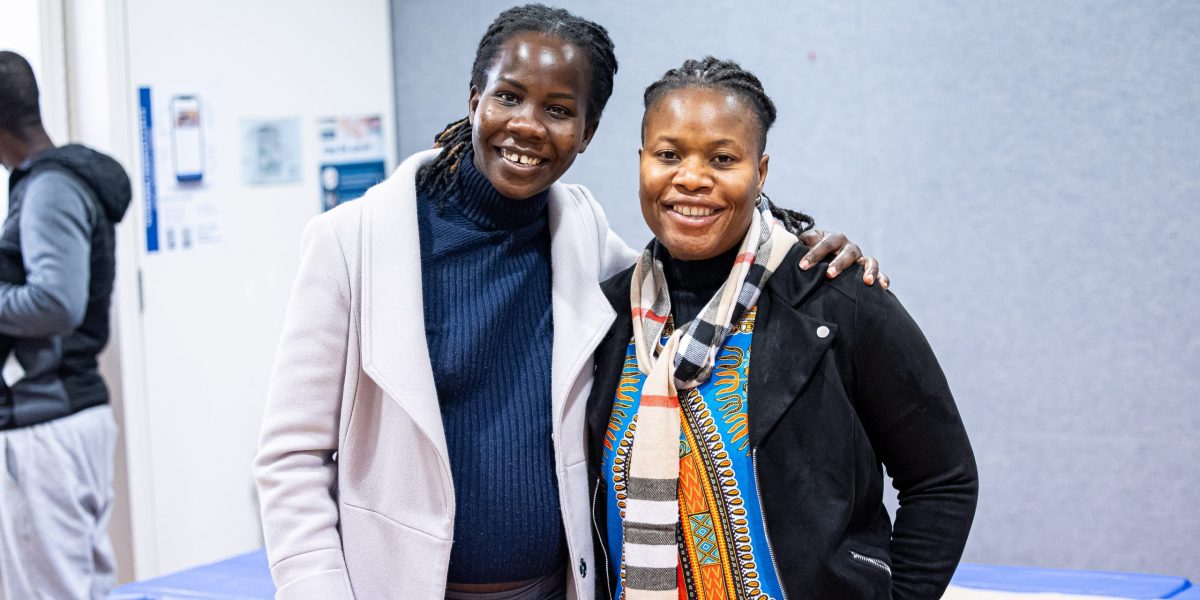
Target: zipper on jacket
(600,539)
(874,562)
(763,512)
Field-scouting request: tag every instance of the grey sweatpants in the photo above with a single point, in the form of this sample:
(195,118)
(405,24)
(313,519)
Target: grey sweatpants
(55,501)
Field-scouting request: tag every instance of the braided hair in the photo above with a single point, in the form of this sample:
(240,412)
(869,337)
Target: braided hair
(437,176)
(730,76)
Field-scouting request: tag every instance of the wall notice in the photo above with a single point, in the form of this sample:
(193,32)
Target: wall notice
(270,151)
(352,157)
(176,126)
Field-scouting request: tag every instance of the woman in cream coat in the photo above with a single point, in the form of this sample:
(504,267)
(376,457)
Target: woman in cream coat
(353,373)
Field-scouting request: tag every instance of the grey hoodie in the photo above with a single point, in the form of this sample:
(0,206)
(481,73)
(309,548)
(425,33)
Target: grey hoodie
(63,204)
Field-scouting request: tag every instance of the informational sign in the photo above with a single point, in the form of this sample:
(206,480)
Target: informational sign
(178,170)
(343,183)
(188,221)
(187,138)
(149,189)
(270,151)
(352,157)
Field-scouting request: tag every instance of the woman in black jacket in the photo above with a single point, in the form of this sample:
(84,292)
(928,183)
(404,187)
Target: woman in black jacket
(754,468)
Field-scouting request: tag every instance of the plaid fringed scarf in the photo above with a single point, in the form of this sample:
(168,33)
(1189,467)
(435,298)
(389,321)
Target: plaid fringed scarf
(684,362)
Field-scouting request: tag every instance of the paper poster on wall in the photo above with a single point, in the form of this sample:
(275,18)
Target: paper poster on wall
(149,189)
(270,151)
(343,183)
(187,221)
(179,167)
(352,157)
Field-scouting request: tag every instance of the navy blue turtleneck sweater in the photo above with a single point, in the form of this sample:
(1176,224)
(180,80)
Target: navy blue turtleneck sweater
(485,267)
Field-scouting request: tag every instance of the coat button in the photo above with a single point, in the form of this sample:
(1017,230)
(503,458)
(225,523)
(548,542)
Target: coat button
(822,332)
(582,568)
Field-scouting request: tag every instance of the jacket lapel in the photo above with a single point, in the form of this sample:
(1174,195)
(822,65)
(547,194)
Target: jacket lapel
(610,358)
(394,351)
(582,314)
(787,346)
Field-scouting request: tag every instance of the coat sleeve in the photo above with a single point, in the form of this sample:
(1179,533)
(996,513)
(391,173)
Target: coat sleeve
(295,469)
(615,254)
(909,414)
(56,231)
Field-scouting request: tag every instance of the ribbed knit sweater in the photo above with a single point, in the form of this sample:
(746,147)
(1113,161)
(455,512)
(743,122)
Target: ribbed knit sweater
(485,267)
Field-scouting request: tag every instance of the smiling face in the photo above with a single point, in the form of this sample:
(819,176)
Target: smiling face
(702,169)
(529,122)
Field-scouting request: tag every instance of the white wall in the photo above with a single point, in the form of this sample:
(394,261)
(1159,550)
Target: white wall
(19,29)
(33,29)
(197,329)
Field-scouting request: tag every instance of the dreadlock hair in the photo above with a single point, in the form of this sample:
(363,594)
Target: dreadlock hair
(436,176)
(727,75)
(18,94)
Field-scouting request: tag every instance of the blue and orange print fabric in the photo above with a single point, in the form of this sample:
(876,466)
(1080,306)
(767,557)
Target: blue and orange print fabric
(724,550)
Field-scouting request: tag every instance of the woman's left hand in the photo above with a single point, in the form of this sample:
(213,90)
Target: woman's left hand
(822,244)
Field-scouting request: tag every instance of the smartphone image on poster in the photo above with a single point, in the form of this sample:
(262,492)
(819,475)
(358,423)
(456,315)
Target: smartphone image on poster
(187,139)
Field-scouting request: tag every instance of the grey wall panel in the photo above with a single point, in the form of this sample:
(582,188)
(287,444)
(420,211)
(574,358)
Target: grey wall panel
(1027,172)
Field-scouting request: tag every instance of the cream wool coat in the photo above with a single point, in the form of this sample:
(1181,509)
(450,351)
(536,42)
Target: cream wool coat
(352,470)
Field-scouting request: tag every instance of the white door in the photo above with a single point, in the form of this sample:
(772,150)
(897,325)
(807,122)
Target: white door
(204,270)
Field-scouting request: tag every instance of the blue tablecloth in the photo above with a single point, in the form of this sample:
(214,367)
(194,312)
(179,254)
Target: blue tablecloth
(1065,581)
(246,577)
(243,577)
(1191,593)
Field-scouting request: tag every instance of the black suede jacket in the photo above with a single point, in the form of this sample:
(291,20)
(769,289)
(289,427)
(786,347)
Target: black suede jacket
(842,384)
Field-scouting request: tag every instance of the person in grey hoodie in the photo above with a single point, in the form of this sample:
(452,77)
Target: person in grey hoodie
(57,432)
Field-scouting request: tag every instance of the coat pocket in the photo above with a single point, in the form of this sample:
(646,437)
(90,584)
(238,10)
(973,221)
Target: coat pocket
(875,563)
(389,559)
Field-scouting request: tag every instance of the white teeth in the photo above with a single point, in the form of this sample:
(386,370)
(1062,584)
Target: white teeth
(521,158)
(693,211)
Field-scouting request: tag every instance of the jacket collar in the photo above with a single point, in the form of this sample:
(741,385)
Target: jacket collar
(394,351)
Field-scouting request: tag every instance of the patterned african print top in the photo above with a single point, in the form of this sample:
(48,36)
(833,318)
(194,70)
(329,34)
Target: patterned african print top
(723,547)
